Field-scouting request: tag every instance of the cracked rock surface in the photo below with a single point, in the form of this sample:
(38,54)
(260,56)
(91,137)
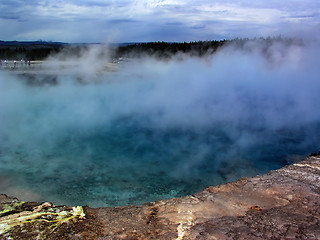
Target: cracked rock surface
(282,204)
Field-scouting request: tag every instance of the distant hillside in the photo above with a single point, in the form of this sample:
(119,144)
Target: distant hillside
(31,43)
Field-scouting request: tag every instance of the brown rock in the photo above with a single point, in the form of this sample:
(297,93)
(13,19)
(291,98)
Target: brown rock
(282,204)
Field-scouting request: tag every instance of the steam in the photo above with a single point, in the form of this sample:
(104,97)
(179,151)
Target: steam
(181,124)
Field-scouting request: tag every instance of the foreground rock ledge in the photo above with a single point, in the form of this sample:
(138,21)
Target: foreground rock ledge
(282,204)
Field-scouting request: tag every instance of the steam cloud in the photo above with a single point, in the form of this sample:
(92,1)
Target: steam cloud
(155,129)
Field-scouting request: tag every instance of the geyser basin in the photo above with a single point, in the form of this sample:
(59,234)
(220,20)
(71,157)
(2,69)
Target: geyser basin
(156,129)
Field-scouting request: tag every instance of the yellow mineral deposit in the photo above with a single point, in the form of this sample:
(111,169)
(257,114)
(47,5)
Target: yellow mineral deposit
(45,212)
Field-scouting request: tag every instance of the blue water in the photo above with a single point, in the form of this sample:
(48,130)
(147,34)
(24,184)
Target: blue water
(129,162)
(153,131)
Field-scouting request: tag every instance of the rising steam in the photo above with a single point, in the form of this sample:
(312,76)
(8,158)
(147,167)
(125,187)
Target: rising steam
(153,129)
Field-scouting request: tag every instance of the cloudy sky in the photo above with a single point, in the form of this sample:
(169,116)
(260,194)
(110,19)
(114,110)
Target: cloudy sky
(156,20)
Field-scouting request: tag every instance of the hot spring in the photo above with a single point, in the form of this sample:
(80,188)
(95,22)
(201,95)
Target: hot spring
(157,129)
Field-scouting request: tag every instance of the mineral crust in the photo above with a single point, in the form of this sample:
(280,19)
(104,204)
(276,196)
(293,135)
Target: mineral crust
(282,204)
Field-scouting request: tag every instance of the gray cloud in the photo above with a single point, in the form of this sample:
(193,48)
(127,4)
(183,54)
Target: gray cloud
(310,15)
(122,21)
(9,17)
(69,20)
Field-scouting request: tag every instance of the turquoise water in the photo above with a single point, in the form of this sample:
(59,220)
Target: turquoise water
(133,164)
(153,131)
(132,160)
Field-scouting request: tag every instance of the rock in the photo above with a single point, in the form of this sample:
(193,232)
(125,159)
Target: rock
(282,204)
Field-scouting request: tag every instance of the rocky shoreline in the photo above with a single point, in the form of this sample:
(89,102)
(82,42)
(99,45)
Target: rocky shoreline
(282,204)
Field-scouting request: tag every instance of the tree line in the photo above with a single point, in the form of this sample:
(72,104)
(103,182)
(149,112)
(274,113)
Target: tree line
(42,50)
(158,49)
(167,49)
(27,53)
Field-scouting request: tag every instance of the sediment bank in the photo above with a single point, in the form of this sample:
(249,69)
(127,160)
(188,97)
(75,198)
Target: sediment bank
(282,204)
